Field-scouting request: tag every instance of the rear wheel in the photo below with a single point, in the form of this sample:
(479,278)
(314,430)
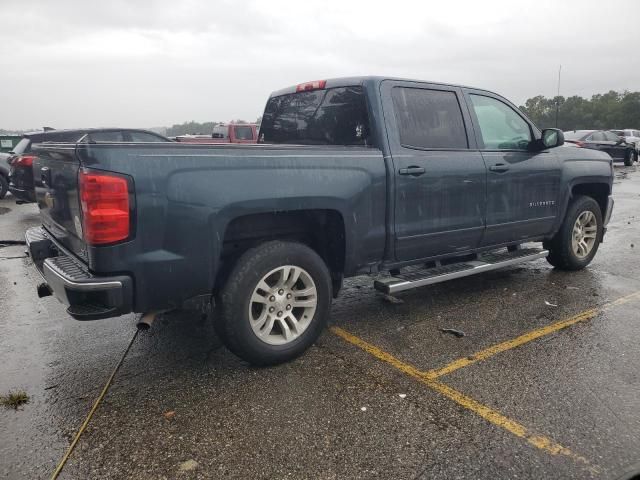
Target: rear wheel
(275,303)
(578,239)
(4,186)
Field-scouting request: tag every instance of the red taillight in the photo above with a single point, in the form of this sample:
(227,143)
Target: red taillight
(105,207)
(315,85)
(23,161)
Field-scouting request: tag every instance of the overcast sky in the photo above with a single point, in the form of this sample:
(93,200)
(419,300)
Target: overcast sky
(153,63)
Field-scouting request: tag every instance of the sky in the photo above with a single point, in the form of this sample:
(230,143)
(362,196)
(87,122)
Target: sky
(149,63)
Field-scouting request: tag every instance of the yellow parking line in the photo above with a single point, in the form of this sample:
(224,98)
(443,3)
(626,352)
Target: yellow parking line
(526,338)
(509,344)
(489,414)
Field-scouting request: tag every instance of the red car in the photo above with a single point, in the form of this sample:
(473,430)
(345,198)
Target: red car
(232,133)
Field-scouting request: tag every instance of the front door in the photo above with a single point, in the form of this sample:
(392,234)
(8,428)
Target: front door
(440,178)
(522,184)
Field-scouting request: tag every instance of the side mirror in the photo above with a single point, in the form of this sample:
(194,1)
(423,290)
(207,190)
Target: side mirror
(621,140)
(552,137)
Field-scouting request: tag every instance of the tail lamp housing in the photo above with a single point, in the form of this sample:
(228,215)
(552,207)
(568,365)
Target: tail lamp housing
(23,161)
(105,200)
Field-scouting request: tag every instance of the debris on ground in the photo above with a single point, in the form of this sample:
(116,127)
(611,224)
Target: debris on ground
(364,409)
(188,466)
(402,395)
(14,399)
(392,299)
(568,287)
(169,415)
(550,304)
(453,331)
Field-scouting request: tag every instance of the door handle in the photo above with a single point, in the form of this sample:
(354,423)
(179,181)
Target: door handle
(499,167)
(413,170)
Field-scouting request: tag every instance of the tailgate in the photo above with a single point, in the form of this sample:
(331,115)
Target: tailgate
(55,172)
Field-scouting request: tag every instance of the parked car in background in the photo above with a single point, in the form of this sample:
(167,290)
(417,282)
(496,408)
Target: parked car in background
(604,141)
(4,174)
(630,135)
(232,133)
(235,133)
(21,178)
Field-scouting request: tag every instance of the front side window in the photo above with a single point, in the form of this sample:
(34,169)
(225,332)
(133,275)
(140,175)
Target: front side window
(429,118)
(501,127)
(611,137)
(597,137)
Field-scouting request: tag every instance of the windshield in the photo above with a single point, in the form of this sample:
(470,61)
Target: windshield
(336,116)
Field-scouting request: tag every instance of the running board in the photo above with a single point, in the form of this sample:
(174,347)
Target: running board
(484,263)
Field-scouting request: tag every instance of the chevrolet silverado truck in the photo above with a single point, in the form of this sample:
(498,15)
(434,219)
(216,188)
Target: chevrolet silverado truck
(415,182)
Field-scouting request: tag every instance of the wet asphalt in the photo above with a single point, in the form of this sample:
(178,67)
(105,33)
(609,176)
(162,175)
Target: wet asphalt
(182,406)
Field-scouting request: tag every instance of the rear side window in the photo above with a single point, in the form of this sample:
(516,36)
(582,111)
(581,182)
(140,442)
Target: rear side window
(144,137)
(220,131)
(337,116)
(429,118)
(244,133)
(501,127)
(113,136)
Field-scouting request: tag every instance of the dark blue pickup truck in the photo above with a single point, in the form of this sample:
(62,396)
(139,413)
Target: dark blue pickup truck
(351,176)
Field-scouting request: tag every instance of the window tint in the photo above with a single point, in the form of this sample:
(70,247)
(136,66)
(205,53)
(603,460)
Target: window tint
(145,137)
(500,126)
(597,137)
(428,118)
(244,133)
(337,116)
(113,136)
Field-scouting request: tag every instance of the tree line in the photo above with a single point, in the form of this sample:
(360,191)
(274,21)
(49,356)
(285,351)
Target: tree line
(611,110)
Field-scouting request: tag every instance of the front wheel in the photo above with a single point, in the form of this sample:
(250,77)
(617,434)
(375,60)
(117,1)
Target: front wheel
(630,158)
(275,303)
(4,186)
(578,239)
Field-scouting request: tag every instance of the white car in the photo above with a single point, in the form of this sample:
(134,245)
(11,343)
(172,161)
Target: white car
(630,136)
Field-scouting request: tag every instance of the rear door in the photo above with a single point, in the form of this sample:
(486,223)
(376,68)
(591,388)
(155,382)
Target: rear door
(522,185)
(439,176)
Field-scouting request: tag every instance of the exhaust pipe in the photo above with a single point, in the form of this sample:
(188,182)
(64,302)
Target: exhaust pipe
(146,320)
(44,290)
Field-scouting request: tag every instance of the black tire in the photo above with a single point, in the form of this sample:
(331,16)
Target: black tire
(630,158)
(4,186)
(233,324)
(561,254)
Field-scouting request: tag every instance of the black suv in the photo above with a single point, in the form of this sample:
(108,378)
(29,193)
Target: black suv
(21,182)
